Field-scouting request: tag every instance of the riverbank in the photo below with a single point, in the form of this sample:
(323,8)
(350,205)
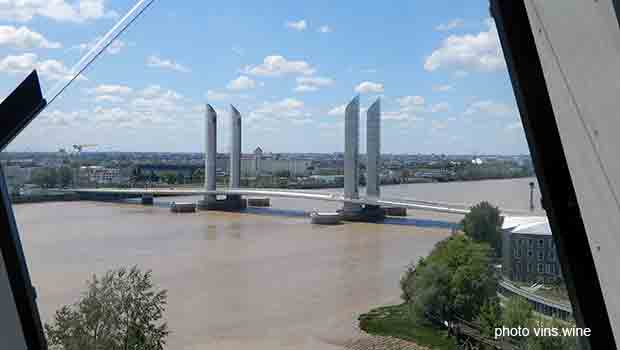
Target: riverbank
(396,321)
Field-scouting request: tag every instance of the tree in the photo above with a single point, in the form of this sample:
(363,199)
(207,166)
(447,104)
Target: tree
(198,175)
(122,310)
(559,342)
(45,177)
(65,176)
(169,178)
(456,279)
(490,317)
(483,223)
(517,313)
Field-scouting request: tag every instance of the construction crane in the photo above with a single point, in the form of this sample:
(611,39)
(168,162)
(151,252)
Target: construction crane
(78,148)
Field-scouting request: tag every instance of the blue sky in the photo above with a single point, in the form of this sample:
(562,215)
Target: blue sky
(289,67)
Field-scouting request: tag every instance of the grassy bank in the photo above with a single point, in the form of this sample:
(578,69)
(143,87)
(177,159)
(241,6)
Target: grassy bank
(395,321)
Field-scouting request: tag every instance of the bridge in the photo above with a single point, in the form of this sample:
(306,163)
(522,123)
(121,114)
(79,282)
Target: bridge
(406,203)
(354,207)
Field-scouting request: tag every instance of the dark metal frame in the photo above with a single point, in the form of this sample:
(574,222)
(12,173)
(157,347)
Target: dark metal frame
(16,112)
(556,186)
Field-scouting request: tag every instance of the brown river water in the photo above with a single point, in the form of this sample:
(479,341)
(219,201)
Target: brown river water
(263,279)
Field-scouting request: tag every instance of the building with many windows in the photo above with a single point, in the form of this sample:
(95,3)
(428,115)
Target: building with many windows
(528,250)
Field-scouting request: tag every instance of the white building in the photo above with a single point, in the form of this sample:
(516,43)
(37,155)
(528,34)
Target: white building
(260,164)
(101,175)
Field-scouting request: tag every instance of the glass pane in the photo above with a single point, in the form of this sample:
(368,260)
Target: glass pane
(115,172)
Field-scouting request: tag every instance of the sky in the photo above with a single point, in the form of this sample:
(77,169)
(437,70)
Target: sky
(288,67)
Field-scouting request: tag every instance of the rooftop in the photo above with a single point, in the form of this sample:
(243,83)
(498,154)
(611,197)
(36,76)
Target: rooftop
(532,225)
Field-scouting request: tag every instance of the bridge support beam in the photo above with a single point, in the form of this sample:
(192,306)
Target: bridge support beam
(351,156)
(354,211)
(231,202)
(235,148)
(373,149)
(210,157)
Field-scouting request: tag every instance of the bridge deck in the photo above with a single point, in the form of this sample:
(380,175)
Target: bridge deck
(412,204)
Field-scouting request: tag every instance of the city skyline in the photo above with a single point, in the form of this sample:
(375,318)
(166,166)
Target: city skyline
(437,68)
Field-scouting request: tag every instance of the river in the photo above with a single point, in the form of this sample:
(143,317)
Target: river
(264,279)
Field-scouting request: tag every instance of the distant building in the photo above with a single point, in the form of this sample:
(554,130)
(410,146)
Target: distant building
(528,250)
(101,175)
(260,164)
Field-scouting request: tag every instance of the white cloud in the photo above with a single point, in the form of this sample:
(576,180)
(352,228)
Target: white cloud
(150,106)
(305,88)
(439,107)
(442,88)
(24,38)
(490,107)
(411,103)
(110,89)
(288,107)
(109,98)
(398,116)
(297,25)
(481,52)
(325,29)
(59,118)
(455,23)
(276,65)
(305,84)
(241,83)
(337,111)
(157,62)
(59,10)
(113,49)
(25,63)
(213,95)
(368,87)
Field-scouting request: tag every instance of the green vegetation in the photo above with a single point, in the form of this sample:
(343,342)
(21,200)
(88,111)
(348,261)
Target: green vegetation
(122,310)
(53,177)
(483,224)
(490,317)
(397,321)
(517,313)
(455,280)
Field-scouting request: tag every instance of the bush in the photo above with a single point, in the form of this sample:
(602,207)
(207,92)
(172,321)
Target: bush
(122,310)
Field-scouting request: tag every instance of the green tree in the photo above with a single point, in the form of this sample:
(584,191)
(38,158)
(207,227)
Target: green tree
(169,178)
(180,178)
(454,280)
(483,223)
(558,342)
(518,312)
(45,177)
(490,317)
(65,176)
(198,176)
(122,310)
